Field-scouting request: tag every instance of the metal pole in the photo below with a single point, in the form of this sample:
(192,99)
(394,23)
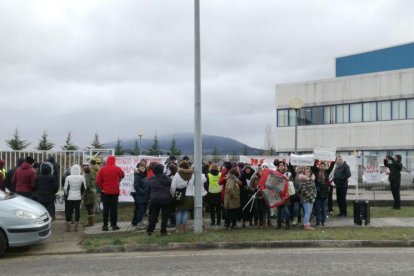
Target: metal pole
(296,131)
(198,204)
(140,146)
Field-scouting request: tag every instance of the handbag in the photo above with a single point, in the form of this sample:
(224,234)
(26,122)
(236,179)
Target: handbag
(291,188)
(180,193)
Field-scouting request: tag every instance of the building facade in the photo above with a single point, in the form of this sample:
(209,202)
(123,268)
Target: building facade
(370,113)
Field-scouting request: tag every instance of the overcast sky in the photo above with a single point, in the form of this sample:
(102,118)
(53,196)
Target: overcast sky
(114,67)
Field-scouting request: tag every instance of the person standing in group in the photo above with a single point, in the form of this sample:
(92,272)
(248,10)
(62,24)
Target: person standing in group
(259,205)
(232,197)
(46,188)
(89,197)
(395,167)
(283,210)
(214,191)
(341,174)
(160,199)
(322,190)
(108,180)
(95,168)
(142,194)
(307,196)
(295,199)
(73,189)
(246,176)
(24,178)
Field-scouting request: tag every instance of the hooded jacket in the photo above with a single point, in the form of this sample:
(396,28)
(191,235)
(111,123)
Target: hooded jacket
(75,184)
(141,187)
(109,177)
(46,186)
(24,178)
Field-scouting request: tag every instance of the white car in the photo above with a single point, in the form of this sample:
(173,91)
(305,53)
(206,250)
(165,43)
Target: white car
(22,222)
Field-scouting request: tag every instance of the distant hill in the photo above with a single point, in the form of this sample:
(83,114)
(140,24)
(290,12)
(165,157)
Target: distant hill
(185,143)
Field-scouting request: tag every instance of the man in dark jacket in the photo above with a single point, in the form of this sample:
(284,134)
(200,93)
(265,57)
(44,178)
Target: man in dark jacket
(160,199)
(24,178)
(395,167)
(341,174)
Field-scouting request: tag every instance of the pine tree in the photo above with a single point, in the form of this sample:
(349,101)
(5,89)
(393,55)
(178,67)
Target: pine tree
(135,150)
(16,143)
(173,148)
(68,143)
(155,148)
(44,143)
(118,148)
(96,144)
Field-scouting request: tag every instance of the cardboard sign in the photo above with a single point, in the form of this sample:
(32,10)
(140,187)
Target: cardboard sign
(324,153)
(372,169)
(302,160)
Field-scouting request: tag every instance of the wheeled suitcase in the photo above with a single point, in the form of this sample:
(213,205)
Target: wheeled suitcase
(361,212)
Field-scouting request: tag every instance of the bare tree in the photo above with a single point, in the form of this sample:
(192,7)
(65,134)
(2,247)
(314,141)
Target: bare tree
(269,141)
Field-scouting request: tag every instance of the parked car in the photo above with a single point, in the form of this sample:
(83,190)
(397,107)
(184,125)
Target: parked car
(407,179)
(22,222)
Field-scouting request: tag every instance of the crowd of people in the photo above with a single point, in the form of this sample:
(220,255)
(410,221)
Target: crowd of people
(231,192)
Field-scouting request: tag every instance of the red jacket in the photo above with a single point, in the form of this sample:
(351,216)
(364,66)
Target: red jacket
(24,178)
(109,177)
(222,182)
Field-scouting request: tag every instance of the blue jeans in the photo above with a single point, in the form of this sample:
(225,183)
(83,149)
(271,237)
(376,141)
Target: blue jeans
(320,209)
(140,211)
(307,206)
(181,217)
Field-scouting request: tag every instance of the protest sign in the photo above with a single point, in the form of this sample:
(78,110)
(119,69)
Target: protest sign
(302,160)
(273,196)
(128,164)
(372,169)
(255,161)
(352,162)
(324,153)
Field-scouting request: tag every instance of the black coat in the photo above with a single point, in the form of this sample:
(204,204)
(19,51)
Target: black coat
(159,186)
(395,170)
(46,188)
(322,189)
(141,186)
(341,175)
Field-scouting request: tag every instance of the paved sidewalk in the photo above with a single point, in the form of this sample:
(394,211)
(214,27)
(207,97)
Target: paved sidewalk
(62,242)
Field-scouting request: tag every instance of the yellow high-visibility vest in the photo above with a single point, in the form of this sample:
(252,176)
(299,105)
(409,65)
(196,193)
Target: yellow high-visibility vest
(213,185)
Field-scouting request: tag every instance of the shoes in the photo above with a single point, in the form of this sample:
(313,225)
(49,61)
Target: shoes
(295,221)
(323,224)
(317,224)
(308,228)
(171,225)
(141,226)
(105,228)
(115,228)
(149,233)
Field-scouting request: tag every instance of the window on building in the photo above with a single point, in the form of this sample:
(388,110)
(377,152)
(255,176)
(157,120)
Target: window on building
(398,110)
(384,111)
(355,112)
(292,117)
(283,118)
(329,115)
(317,115)
(305,116)
(370,112)
(410,109)
(342,113)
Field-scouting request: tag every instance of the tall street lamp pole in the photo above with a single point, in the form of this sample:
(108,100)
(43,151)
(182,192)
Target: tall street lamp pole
(296,103)
(140,134)
(198,203)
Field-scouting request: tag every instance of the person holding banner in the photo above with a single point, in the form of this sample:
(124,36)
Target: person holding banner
(295,199)
(322,190)
(259,204)
(283,210)
(341,174)
(395,166)
(246,175)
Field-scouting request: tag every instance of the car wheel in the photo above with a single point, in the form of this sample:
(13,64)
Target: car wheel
(3,243)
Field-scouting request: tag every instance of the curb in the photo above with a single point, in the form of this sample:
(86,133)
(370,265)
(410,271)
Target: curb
(247,245)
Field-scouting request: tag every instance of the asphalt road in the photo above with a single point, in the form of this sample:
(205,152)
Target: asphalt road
(326,261)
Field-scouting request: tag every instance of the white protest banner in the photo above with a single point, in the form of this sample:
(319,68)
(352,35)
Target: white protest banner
(302,160)
(255,160)
(324,153)
(352,162)
(128,164)
(372,172)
